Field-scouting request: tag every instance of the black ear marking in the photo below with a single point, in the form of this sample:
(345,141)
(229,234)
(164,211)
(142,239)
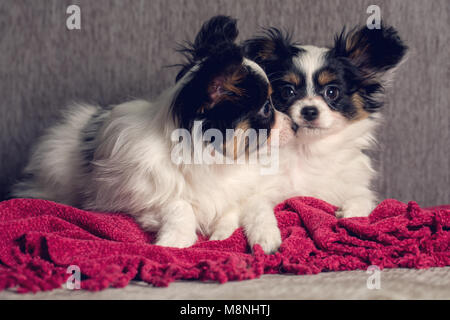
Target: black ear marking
(371,50)
(197,94)
(214,33)
(272,45)
(367,56)
(225,86)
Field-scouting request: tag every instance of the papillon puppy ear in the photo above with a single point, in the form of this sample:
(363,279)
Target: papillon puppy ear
(210,82)
(371,56)
(372,51)
(272,45)
(214,33)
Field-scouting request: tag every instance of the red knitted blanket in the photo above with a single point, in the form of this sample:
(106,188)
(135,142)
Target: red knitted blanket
(39,240)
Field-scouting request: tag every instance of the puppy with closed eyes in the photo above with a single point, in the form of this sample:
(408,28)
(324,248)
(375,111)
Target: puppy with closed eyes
(334,96)
(121,160)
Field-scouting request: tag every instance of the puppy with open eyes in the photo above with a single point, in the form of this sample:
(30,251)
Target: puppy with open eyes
(120,160)
(334,96)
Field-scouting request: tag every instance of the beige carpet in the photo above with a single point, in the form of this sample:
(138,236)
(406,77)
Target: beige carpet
(394,284)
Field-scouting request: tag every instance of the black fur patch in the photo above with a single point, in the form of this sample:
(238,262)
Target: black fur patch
(216,31)
(273,45)
(373,50)
(88,142)
(363,56)
(221,59)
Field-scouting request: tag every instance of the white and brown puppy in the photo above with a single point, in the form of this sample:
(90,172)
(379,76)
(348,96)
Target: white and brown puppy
(333,95)
(121,160)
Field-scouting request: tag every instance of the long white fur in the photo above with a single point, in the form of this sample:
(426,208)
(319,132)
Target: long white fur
(333,168)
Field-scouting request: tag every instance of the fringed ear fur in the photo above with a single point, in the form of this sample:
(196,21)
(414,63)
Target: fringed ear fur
(272,45)
(213,34)
(373,51)
(372,55)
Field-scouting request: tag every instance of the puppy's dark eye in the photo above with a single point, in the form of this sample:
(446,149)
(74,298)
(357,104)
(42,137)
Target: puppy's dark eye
(266,110)
(287,92)
(332,93)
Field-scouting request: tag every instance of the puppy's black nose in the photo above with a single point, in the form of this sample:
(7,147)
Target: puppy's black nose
(310,113)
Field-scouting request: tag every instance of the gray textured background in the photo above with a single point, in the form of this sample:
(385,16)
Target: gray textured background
(123,46)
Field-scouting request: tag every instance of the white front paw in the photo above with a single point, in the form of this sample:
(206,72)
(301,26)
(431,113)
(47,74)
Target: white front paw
(269,238)
(355,208)
(221,234)
(176,239)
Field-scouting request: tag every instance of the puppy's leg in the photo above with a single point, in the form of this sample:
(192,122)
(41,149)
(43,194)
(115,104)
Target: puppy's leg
(360,206)
(178,225)
(260,224)
(226,224)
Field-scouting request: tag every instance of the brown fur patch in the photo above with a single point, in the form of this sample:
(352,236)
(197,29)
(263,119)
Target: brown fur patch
(234,143)
(218,90)
(203,108)
(244,126)
(358,102)
(292,78)
(353,46)
(269,91)
(231,81)
(326,77)
(267,50)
